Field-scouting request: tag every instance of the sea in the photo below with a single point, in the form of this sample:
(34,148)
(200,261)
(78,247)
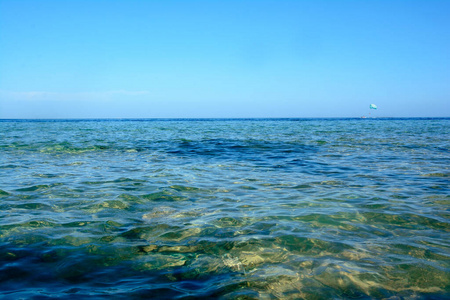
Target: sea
(225,209)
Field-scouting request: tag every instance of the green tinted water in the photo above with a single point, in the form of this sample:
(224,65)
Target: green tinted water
(252,209)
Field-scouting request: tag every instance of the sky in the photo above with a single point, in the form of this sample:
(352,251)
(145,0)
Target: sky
(224,59)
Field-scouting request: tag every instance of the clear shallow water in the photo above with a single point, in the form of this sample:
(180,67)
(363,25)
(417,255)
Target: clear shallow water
(251,209)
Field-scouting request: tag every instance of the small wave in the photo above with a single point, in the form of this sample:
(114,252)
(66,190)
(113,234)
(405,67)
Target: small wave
(164,196)
(71,149)
(10,166)
(182,188)
(35,188)
(443,175)
(34,206)
(4,193)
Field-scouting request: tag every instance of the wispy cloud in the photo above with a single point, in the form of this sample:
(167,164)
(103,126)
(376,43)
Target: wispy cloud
(46,95)
(26,95)
(113,93)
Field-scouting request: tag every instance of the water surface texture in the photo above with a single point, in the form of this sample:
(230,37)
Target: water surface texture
(230,209)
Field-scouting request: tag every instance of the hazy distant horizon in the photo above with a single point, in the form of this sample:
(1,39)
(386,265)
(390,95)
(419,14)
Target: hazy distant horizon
(221,119)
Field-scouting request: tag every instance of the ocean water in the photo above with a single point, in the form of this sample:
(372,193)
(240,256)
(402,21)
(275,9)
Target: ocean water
(228,209)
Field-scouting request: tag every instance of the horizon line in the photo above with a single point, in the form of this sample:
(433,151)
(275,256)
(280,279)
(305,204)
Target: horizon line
(207,118)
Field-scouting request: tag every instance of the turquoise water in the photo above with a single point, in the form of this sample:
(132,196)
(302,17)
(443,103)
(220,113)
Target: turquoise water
(230,209)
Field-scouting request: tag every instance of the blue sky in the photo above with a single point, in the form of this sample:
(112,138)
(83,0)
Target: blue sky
(190,59)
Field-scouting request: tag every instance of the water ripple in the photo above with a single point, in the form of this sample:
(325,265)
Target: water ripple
(251,209)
